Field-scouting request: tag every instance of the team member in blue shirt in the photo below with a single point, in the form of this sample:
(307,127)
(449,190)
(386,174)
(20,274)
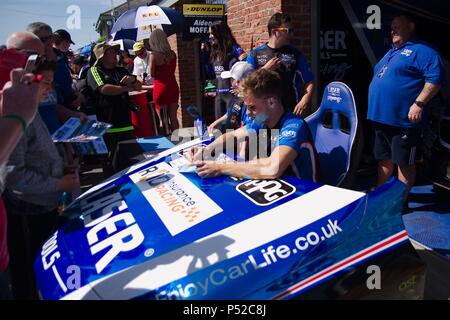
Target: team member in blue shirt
(225,52)
(236,115)
(404,80)
(278,55)
(290,149)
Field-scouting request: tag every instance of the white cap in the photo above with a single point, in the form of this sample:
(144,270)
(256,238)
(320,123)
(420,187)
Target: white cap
(239,71)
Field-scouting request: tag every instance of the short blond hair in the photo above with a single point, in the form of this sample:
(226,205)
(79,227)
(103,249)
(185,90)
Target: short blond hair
(261,83)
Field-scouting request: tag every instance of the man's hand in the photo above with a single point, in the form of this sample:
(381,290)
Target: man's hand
(20,95)
(195,154)
(82,116)
(300,108)
(415,113)
(208,169)
(79,100)
(213,126)
(272,64)
(68,182)
(71,168)
(127,80)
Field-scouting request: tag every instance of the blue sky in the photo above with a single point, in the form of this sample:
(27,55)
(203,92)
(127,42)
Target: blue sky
(15,15)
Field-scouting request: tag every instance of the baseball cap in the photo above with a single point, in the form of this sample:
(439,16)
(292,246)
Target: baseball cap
(100,49)
(138,46)
(239,71)
(63,34)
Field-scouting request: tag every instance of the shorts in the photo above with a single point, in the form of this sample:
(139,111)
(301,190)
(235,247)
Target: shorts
(396,143)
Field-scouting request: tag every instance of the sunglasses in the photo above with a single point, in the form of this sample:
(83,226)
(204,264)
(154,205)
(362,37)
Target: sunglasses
(45,39)
(288,30)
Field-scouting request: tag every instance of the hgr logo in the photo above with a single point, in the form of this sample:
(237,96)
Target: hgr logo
(334,90)
(265,192)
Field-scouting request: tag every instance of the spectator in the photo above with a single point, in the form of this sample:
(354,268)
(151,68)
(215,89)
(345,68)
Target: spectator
(142,66)
(33,190)
(51,109)
(62,41)
(18,107)
(128,60)
(78,63)
(293,151)
(404,81)
(289,62)
(63,77)
(111,84)
(163,62)
(225,51)
(236,111)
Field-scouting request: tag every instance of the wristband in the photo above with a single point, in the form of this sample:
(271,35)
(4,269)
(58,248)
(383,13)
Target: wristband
(18,118)
(420,104)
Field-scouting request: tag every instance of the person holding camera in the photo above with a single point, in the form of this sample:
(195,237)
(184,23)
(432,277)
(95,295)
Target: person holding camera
(111,85)
(33,188)
(18,107)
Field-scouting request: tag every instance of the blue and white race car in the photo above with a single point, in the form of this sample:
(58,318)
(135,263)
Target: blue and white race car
(159,231)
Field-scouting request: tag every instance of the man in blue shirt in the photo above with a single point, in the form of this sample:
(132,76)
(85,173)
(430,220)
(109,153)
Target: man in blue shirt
(290,63)
(284,137)
(404,80)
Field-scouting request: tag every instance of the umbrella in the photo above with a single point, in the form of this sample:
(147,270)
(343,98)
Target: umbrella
(86,50)
(125,44)
(138,23)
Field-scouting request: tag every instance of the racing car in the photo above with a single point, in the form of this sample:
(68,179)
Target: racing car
(159,231)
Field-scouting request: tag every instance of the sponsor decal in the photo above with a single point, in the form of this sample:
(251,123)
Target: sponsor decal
(337,99)
(122,232)
(288,61)
(49,256)
(266,256)
(146,15)
(289,134)
(234,241)
(406,52)
(178,202)
(262,60)
(117,241)
(334,94)
(334,91)
(203,9)
(218,69)
(265,192)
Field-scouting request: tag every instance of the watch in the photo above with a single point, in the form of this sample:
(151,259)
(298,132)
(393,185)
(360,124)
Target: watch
(420,104)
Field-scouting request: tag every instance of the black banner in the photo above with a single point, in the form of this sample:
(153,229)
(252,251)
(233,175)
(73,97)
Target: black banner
(198,18)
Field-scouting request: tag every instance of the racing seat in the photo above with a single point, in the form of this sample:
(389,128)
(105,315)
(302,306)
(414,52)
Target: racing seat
(337,135)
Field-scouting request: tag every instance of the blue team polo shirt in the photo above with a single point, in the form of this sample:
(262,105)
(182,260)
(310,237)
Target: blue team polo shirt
(47,111)
(398,79)
(293,133)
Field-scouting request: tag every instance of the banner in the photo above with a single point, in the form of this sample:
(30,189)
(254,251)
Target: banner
(198,18)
